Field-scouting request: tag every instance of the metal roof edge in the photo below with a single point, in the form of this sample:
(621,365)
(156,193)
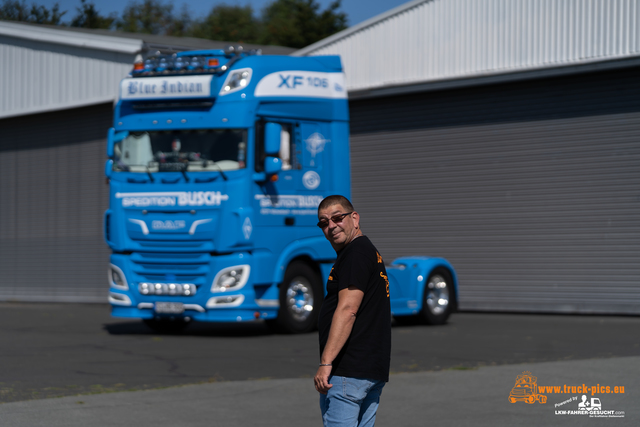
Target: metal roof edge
(358,27)
(57,107)
(69,38)
(495,78)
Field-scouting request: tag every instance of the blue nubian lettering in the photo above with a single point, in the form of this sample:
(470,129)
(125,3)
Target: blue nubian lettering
(140,87)
(179,87)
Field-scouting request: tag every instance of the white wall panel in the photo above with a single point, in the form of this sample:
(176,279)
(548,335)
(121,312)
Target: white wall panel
(435,40)
(38,77)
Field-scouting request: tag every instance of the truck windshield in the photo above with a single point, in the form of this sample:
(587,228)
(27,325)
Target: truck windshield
(181,150)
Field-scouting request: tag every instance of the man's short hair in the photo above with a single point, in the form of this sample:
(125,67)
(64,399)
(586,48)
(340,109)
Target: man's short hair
(336,199)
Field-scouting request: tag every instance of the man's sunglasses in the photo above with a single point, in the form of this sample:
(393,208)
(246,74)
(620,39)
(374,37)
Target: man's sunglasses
(323,223)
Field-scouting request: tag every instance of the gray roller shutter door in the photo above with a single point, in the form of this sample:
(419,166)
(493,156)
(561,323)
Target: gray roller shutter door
(530,189)
(52,198)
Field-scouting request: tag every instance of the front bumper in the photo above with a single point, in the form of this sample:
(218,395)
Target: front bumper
(247,302)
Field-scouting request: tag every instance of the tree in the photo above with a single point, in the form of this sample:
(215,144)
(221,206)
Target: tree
(42,15)
(228,23)
(149,16)
(14,10)
(180,26)
(297,23)
(88,17)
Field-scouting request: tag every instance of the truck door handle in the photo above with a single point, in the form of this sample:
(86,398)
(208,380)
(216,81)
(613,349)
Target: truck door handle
(289,220)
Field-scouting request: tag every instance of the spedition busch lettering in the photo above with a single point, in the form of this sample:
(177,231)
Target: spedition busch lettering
(289,201)
(174,198)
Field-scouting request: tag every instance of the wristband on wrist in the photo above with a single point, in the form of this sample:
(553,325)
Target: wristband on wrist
(326,364)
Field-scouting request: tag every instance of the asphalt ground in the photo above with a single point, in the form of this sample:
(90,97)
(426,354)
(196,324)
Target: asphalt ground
(475,397)
(53,350)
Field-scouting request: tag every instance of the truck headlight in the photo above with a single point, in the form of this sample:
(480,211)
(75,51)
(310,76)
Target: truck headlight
(231,278)
(236,80)
(117,278)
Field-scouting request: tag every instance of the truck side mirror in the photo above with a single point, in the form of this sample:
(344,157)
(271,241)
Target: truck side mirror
(113,138)
(272,134)
(272,165)
(108,168)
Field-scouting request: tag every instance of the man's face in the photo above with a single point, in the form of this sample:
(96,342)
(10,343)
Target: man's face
(344,231)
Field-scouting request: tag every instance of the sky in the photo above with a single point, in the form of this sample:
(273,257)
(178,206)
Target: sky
(357,10)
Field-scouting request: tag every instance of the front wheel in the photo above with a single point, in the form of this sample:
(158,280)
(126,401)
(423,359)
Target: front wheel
(437,302)
(301,295)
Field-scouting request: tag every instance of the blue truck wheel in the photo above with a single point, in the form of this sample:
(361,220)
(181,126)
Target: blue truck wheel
(300,298)
(438,300)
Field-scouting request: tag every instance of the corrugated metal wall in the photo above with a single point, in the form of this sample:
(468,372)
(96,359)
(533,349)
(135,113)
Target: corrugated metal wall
(38,77)
(52,199)
(531,190)
(434,40)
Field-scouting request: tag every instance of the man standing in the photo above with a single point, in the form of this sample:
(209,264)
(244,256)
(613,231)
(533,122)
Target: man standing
(354,322)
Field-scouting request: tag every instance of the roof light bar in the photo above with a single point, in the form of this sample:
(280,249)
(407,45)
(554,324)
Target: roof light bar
(202,62)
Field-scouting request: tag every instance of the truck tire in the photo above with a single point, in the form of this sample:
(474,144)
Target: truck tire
(438,297)
(301,295)
(167,326)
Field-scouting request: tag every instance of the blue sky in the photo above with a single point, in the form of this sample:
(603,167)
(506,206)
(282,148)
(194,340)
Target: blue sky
(356,10)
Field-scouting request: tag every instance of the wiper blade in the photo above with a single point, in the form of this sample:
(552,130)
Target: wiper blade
(184,173)
(222,174)
(150,175)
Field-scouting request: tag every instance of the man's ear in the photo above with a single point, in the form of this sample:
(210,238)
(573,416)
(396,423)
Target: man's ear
(356,219)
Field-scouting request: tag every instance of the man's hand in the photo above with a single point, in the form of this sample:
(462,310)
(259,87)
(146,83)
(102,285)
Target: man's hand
(321,380)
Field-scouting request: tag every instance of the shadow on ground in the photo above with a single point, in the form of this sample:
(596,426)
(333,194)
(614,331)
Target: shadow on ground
(195,329)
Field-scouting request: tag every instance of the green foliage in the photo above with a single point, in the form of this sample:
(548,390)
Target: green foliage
(88,17)
(293,23)
(298,23)
(228,23)
(181,25)
(148,16)
(14,10)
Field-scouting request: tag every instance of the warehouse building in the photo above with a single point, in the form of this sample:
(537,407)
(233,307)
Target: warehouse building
(503,135)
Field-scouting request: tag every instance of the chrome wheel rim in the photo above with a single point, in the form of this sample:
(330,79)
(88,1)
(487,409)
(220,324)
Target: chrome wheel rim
(300,299)
(437,294)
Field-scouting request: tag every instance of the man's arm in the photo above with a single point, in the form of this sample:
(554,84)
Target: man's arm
(349,300)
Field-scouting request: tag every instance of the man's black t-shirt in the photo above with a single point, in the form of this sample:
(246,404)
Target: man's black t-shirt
(367,352)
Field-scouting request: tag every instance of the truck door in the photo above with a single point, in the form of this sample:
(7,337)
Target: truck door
(275,198)
(294,194)
(314,146)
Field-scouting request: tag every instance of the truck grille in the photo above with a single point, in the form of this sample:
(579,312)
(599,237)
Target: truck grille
(175,267)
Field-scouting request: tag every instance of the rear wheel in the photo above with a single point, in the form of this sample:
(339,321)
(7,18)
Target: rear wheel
(301,295)
(438,297)
(167,325)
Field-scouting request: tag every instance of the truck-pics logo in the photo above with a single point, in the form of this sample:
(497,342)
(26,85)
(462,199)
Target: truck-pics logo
(526,389)
(172,198)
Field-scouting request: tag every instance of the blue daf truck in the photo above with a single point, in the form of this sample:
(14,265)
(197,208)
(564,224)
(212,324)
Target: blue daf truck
(217,161)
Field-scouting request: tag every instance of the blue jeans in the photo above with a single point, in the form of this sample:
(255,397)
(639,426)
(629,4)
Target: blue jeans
(351,402)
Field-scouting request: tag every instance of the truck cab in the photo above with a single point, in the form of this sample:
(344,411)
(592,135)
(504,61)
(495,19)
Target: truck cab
(217,162)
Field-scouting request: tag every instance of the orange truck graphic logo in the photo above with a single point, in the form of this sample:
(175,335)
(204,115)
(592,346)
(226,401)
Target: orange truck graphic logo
(526,389)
